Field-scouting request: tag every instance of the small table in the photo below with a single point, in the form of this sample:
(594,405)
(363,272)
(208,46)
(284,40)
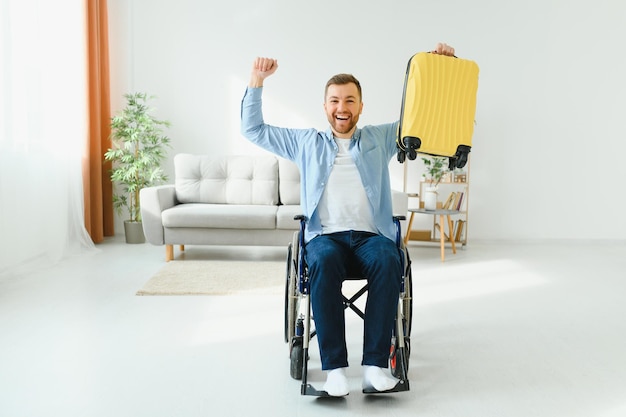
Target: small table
(441,213)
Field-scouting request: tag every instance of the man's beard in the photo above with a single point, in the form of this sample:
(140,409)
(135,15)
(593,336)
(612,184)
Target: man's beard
(343,126)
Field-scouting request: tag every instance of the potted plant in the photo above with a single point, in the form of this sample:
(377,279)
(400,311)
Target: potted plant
(137,150)
(436,167)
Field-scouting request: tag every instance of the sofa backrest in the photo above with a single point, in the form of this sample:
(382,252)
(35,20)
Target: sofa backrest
(226,179)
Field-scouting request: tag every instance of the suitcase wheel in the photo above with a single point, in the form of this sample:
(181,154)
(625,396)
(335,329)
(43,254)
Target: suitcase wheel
(411,144)
(460,157)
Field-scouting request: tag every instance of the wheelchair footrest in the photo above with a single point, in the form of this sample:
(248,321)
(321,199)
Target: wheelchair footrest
(308,389)
(402,385)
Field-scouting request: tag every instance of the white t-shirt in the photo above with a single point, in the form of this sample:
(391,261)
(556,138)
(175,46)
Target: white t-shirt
(344,205)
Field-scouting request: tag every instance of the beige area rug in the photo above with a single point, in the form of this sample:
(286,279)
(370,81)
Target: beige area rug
(191,277)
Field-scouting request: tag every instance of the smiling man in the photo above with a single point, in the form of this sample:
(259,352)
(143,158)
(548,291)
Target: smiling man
(346,197)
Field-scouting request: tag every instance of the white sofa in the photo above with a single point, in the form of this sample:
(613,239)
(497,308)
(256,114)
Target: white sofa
(227,200)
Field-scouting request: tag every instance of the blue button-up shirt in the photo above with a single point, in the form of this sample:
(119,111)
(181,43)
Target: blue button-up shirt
(313,151)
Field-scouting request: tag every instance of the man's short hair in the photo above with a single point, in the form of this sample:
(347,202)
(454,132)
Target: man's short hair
(342,79)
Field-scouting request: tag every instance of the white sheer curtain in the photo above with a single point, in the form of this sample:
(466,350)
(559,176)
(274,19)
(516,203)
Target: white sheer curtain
(43,130)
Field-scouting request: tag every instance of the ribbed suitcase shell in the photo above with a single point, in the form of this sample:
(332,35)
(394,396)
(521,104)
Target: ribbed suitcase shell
(439,103)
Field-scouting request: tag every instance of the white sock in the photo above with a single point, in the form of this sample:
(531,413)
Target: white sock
(336,383)
(376,377)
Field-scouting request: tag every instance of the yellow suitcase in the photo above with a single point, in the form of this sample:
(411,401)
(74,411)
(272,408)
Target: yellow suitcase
(438,108)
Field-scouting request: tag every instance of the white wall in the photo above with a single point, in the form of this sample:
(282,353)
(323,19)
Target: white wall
(549,134)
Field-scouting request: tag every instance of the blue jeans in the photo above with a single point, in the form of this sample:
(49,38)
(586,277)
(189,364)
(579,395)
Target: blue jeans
(331,259)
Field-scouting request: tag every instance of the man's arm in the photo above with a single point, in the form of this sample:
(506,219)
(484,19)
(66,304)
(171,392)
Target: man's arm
(261,69)
(280,141)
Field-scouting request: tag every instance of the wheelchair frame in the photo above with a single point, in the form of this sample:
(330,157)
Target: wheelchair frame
(298,314)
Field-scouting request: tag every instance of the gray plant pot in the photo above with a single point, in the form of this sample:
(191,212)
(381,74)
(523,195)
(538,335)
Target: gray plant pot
(134,232)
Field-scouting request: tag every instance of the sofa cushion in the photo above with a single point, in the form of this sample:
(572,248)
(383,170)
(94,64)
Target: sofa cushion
(220,216)
(226,179)
(288,182)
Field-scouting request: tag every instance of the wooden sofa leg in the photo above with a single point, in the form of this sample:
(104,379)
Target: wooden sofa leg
(169,252)
(182,248)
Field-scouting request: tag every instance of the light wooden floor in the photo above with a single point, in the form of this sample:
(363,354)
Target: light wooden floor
(500,330)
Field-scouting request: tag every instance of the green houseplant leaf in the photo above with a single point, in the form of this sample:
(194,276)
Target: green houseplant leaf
(137,150)
(436,167)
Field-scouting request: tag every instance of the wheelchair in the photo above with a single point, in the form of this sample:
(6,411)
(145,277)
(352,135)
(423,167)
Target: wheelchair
(298,314)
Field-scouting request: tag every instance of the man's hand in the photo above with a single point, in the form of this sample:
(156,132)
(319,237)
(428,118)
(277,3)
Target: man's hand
(261,69)
(443,49)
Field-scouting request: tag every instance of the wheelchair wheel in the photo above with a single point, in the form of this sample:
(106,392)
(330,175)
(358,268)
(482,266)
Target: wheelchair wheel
(291,289)
(407,303)
(287,286)
(399,359)
(296,356)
